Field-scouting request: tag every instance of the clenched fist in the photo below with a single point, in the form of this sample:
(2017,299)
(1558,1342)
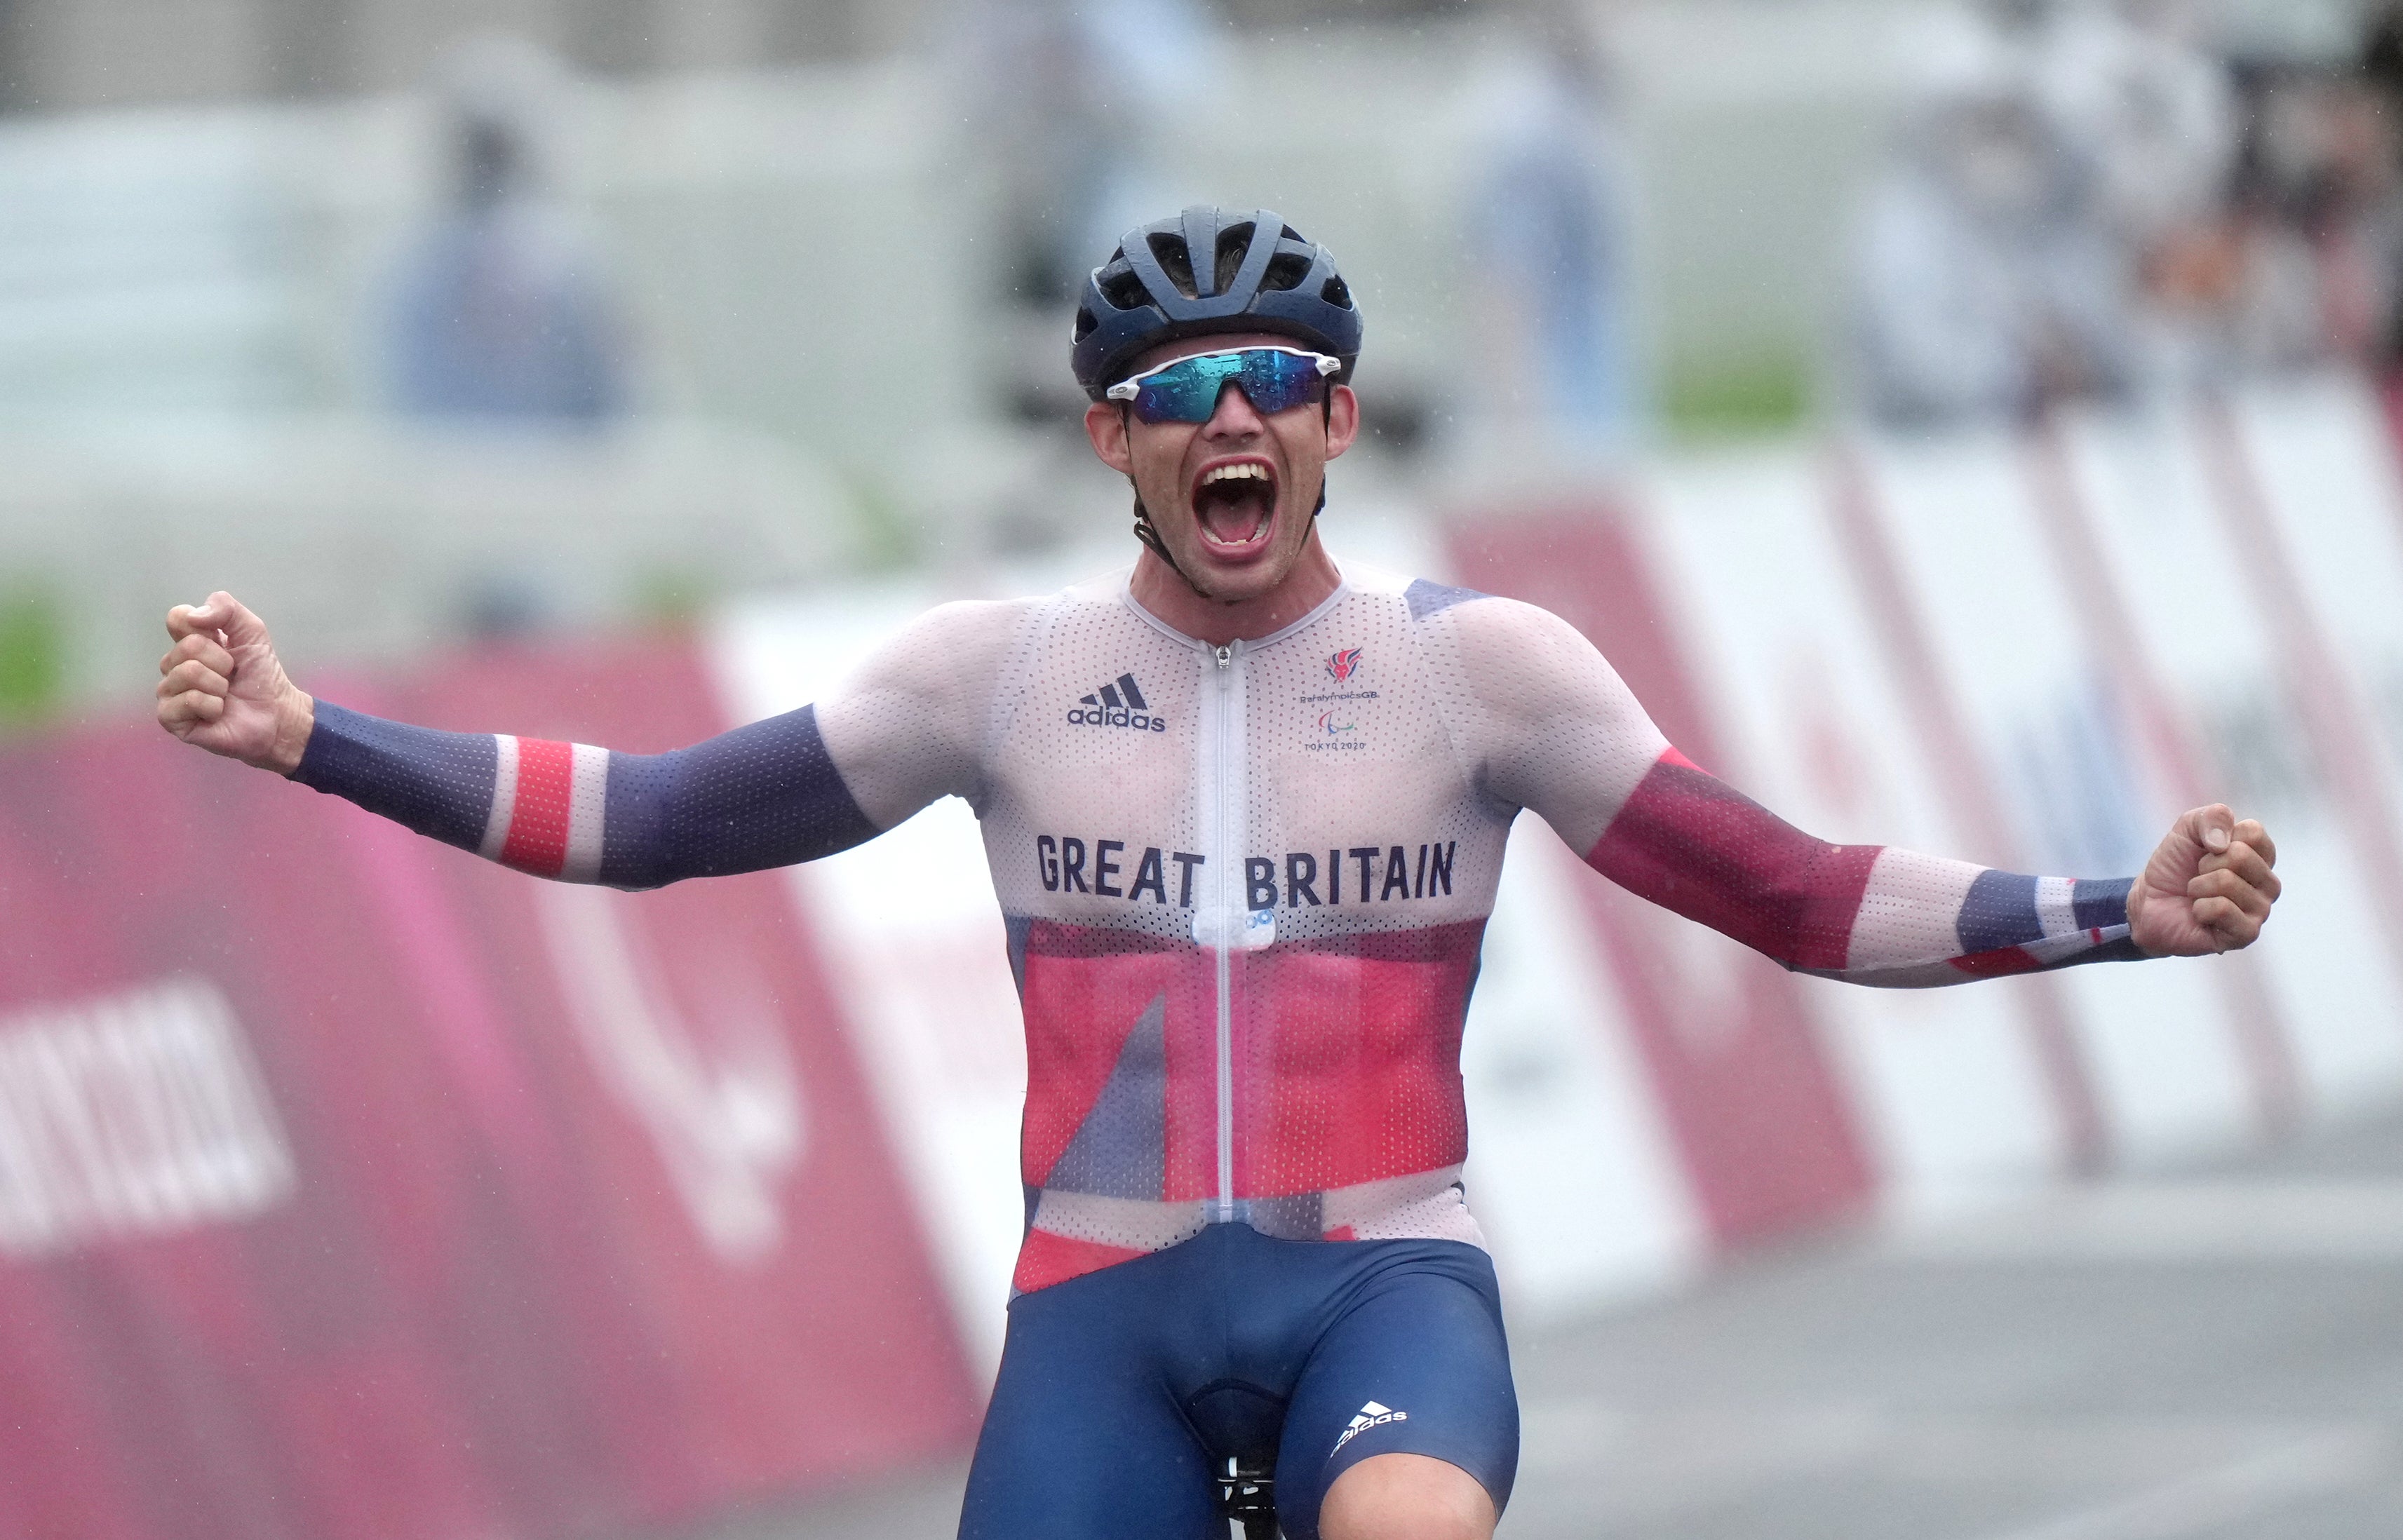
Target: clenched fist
(2207,888)
(221,687)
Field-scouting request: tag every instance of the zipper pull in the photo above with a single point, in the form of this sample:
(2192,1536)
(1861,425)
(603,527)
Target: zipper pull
(1225,657)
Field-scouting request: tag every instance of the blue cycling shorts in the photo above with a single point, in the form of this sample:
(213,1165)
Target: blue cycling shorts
(1122,1392)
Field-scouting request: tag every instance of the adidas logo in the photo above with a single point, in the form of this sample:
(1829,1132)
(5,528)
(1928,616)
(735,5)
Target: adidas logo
(1117,704)
(1373,1415)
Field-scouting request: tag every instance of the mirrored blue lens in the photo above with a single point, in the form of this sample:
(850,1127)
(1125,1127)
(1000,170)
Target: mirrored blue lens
(1187,390)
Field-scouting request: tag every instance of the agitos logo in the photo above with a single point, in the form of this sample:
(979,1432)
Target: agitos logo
(1117,705)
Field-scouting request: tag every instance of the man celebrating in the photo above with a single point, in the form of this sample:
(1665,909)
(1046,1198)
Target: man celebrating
(1244,944)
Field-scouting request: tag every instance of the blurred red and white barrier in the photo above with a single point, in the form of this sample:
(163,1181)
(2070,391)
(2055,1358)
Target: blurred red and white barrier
(352,1186)
(349,1184)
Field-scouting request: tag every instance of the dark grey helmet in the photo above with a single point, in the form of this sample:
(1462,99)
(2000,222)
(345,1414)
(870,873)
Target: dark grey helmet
(1257,274)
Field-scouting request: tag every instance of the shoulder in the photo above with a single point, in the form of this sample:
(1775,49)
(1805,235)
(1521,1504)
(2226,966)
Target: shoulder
(1489,625)
(1428,601)
(970,620)
(1512,656)
(958,646)
(975,640)
(1102,589)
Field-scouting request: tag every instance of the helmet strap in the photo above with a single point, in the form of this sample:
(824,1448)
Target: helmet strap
(1150,536)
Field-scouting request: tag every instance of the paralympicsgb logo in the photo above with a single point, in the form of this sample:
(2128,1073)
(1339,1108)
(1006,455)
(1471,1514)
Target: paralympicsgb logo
(1344,664)
(1116,704)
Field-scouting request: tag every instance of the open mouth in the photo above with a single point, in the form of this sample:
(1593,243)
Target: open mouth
(1234,504)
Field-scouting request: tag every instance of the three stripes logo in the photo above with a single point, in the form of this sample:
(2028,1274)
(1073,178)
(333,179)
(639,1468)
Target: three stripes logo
(1117,704)
(1373,1415)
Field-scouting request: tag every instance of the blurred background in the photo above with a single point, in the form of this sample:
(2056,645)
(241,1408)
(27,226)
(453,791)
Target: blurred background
(1969,426)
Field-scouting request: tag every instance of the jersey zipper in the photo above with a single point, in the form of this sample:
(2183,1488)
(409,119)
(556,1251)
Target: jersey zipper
(1226,840)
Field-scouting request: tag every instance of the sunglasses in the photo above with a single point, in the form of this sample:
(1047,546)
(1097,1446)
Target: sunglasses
(1274,380)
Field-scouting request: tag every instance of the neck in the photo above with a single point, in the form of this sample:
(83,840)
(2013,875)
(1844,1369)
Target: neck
(1159,588)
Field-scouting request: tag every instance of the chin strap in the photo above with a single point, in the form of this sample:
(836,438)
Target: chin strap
(1150,536)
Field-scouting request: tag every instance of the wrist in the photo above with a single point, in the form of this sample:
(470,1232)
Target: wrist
(2135,898)
(295,718)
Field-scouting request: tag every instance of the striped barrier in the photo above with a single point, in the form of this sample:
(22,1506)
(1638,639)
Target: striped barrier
(353,1187)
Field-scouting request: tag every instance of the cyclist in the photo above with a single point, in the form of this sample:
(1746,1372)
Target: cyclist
(1245,811)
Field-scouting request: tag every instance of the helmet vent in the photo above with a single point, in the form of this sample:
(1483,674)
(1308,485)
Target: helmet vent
(1234,244)
(1178,262)
(1208,270)
(1124,290)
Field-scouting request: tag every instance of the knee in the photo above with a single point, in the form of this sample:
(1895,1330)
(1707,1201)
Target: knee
(1406,1498)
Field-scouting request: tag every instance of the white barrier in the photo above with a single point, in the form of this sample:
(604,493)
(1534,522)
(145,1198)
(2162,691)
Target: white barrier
(1952,1096)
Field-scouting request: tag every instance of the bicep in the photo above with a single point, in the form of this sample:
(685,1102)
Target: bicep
(1547,723)
(1561,733)
(908,728)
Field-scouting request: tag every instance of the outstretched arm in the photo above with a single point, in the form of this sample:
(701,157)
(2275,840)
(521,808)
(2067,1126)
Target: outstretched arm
(770,794)
(1552,728)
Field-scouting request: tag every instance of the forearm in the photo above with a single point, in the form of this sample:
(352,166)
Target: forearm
(1911,933)
(1867,914)
(762,795)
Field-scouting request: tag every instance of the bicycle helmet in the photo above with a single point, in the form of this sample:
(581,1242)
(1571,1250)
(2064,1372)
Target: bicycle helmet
(1152,290)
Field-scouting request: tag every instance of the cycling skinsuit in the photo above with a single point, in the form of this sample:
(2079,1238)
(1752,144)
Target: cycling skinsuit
(1243,886)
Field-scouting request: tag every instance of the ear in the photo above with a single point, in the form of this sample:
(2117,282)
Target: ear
(1343,420)
(1106,425)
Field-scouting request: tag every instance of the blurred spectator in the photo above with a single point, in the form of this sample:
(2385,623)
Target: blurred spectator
(1547,215)
(2314,204)
(2134,93)
(2379,133)
(2090,200)
(2133,88)
(1988,280)
(500,312)
(1067,106)
(1064,98)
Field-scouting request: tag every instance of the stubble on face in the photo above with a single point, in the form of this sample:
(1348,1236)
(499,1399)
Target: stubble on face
(1232,498)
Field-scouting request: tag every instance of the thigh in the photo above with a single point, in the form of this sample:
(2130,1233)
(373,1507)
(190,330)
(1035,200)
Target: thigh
(1413,1363)
(1084,1440)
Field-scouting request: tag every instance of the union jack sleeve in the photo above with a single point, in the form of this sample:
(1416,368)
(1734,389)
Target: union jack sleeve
(767,795)
(1869,914)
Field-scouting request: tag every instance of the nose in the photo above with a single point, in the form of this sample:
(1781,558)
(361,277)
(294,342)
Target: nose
(1235,417)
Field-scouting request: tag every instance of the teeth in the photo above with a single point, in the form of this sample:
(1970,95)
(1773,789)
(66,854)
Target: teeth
(1236,473)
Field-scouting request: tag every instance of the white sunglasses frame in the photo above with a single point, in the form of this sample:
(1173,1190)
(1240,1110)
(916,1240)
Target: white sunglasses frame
(1131,386)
